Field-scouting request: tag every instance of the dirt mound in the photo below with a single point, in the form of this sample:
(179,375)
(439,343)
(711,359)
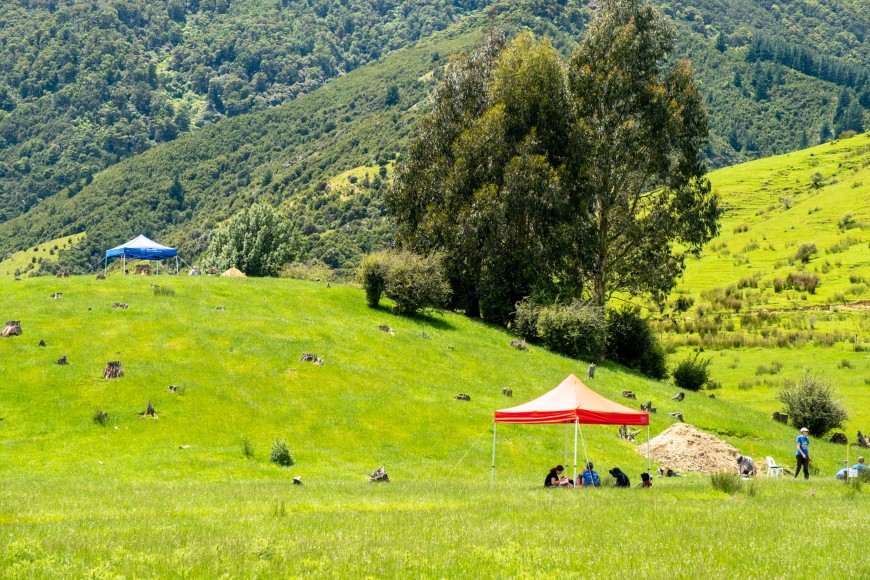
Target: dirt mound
(234,273)
(686,448)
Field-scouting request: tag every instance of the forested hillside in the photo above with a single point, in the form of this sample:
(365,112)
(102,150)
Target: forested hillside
(774,78)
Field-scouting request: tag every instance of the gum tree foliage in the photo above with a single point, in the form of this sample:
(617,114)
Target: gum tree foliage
(257,241)
(533,175)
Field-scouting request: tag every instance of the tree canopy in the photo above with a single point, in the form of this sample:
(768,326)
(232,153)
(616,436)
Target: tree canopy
(577,178)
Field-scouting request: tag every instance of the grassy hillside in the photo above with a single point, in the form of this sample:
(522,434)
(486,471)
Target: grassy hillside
(177,495)
(35,258)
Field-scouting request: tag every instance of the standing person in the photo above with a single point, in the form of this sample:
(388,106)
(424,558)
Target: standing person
(802,453)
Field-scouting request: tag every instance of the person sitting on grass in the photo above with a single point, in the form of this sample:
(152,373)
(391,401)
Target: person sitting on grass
(589,478)
(554,478)
(860,466)
(621,477)
(745,466)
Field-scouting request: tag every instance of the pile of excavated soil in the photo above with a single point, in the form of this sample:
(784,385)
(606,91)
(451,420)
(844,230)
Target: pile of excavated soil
(684,447)
(234,273)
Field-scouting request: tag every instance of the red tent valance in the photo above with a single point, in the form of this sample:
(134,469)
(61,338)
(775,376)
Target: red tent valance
(569,402)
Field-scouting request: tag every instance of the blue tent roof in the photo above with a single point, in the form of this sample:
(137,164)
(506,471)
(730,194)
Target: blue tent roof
(142,248)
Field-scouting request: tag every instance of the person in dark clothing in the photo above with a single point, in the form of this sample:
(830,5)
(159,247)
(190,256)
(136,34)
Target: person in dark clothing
(554,478)
(802,453)
(621,477)
(646,480)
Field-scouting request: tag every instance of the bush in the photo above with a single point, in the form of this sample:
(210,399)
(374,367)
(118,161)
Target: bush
(812,403)
(526,320)
(373,277)
(577,330)
(101,418)
(692,373)
(805,252)
(632,343)
(280,455)
(803,281)
(247,447)
(164,291)
(414,282)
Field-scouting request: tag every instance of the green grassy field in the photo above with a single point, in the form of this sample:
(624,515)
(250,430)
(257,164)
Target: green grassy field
(32,258)
(176,495)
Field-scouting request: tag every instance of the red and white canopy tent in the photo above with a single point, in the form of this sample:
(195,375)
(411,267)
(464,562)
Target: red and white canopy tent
(571,402)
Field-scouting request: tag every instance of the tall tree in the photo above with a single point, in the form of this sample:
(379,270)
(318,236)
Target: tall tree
(642,199)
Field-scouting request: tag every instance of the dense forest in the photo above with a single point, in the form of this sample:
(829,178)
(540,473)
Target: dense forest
(84,85)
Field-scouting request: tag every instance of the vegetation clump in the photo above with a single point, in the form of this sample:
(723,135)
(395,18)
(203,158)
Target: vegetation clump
(812,403)
(805,252)
(280,455)
(725,482)
(575,329)
(413,282)
(692,373)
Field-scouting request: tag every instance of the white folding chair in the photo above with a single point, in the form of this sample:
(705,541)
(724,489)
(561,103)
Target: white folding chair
(773,470)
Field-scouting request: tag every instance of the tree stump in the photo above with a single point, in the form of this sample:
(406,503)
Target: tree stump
(220,307)
(863,440)
(385,328)
(62,273)
(711,396)
(678,416)
(519,345)
(57,295)
(62,361)
(781,417)
(627,434)
(143,269)
(101,276)
(462,397)
(379,475)
(120,305)
(507,392)
(680,396)
(297,480)
(312,358)
(839,438)
(629,395)
(149,411)
(11,328)
(173,389)
(648,407)
(590,373)
(41,342)
(113,370)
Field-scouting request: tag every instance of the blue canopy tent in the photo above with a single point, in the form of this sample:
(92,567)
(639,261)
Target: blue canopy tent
(141,248)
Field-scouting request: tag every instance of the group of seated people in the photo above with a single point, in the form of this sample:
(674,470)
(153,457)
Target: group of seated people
(858,467)
(589,478)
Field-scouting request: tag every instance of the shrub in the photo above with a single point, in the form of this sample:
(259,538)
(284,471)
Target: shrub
(725,482)
(803,281)
(812,403)
(525,322)
(692,373)
(577,329)
(247,447)
(805,252)
(101,417)
(280,455)
(414,282)
(373,277)
(631,342)
(164,291)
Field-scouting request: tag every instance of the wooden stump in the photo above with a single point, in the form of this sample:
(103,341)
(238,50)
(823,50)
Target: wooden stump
(863,440)
(627,434)
(462,397)
(648,407)
(629,395)
(149,411)
(680,396)
(143,269)
(62,361)
(678,416)
(711,396)
(120,305)
(11,328)
(113,370)
(101,277)
(839,438)
(379,475)
(312,358)
(519,345)
(62,273)
(387,329)
(297,480)
(781,417)
(57,295)
(590,373)
(42,342)
(507,392)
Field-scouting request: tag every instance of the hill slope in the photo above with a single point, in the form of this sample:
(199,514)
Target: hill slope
(760,101)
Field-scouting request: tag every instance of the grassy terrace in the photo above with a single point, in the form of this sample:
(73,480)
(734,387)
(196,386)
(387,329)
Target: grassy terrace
(176,495)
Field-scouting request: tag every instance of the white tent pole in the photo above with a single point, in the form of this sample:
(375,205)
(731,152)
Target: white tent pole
(576,427)
(492,476)
(648,459)
(105,266)
(583,442)
(176,264)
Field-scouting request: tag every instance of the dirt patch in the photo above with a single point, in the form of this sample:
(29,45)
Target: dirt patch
(684,447)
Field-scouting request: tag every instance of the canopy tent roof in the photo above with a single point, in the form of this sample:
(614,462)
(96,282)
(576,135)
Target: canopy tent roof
(141,248)
(570,402)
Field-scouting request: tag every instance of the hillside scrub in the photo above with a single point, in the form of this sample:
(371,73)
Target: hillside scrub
(812,402)
(692,373)
(413,282)
(632,343)
(576,329)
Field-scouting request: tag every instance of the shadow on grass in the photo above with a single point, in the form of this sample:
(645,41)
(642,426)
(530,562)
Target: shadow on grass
(430,319)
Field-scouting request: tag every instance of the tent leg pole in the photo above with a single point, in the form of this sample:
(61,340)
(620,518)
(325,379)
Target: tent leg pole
(176,265)
(125,265)
(648,457)
(576,428)
(492,475)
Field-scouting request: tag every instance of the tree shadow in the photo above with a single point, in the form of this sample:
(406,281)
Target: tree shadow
(430,319)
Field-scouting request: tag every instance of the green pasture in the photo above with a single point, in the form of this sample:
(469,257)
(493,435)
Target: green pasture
(773,206)
(32,258)
(176,495)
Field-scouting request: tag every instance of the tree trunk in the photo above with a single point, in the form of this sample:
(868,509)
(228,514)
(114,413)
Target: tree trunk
(113,370)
